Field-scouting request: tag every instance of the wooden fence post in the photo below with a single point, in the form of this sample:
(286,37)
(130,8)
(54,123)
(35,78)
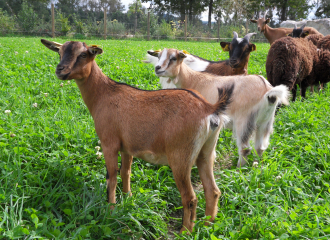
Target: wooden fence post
(218,29)
(148,25)
(105,23)
(185,26)
(53,21)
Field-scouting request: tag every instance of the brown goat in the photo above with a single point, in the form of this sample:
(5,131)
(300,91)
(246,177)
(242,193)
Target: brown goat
(272,34)
(175,127)
(239,53)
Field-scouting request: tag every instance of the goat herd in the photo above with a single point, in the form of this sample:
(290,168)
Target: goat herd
(180,126)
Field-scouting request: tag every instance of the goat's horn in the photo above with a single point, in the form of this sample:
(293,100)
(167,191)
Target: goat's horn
(259,14)
(295,26)
(266,13)
(248,36)
(235,35)
(302,27)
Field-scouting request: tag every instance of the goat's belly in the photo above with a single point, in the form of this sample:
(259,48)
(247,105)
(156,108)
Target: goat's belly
(151,157)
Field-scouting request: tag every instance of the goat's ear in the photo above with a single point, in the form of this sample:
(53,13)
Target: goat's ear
(304,34)
(182,54)
(267,21)
(153,53)
(54,46)
(253,20)
(95,50)
(225,46)
(252,47)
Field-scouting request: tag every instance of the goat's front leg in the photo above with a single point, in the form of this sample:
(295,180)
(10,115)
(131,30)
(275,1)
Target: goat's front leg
(125,172)
(111,162)
(181,173)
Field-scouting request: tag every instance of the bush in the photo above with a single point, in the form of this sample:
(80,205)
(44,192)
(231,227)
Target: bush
(94,27)
(6,22)
(115,27)
(27,18)
(165,30)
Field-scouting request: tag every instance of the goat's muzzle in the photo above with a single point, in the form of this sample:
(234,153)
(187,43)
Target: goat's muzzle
(234,63)
(59,72)
(157,68)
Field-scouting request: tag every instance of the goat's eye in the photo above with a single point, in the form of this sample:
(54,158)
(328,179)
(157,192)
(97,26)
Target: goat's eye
(173,59)
(83,55)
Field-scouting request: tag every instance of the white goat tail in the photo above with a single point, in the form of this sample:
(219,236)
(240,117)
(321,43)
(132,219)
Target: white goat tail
(281,93)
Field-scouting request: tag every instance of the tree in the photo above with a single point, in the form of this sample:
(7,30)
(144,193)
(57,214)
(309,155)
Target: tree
(27,18)
(190,7)
(294,9)
(323,9)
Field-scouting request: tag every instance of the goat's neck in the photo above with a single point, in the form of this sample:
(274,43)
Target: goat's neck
(269,32)
(186,77)
(93,87)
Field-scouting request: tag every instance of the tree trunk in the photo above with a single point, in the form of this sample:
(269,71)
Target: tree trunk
(284,7)
(210,12)
(135,22)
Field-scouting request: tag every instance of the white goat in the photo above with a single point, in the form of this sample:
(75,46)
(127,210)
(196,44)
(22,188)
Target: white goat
(253,104)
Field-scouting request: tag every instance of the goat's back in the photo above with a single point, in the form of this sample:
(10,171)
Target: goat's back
(151,121)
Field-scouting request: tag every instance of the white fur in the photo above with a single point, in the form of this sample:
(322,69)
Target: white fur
(191,61)
(250,110)
(239,40)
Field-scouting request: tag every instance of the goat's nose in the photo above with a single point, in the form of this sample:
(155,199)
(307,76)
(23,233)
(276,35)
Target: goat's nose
(233,61)
(157,67)
(60,67)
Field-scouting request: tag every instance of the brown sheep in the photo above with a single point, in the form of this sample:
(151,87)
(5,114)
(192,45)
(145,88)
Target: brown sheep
(293,61)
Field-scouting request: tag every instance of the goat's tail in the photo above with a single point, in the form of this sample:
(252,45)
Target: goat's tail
(278,94)
(225,99)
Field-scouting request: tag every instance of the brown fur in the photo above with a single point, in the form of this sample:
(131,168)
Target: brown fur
(162,127)
(324,42)
(314,38)
(272,34)
(293,61)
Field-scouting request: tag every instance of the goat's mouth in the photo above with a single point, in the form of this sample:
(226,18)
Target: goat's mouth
(63,76)
(159,72)
(235,65)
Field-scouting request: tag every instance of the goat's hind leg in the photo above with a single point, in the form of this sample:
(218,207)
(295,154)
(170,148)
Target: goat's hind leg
(182,173)
(244,132)
(125,172)
(212,193)
(263,133)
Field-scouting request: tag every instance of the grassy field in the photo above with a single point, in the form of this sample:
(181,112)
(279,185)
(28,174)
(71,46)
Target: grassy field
(52,186)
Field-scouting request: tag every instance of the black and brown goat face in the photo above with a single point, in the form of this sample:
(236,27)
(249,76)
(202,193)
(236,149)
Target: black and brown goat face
(169,61)
(239,50)
(299,32)
(75,58)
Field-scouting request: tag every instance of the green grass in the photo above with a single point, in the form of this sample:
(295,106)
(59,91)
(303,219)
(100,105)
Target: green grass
(52,186)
